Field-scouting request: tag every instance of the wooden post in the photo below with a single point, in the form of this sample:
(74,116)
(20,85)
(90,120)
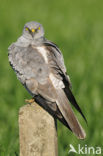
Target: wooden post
(37,132)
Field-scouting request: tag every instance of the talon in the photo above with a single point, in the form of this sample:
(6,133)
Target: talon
(29,101)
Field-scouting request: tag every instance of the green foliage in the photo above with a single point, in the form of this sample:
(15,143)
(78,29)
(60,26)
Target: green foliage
(77,27)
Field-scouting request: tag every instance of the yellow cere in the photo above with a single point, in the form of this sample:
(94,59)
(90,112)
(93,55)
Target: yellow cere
(33,30)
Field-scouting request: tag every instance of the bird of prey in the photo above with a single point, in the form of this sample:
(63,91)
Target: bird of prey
(39,65)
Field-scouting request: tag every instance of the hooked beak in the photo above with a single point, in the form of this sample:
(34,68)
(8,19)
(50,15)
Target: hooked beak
(32,32)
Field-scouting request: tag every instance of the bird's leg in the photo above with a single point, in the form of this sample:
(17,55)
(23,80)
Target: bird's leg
(30,101)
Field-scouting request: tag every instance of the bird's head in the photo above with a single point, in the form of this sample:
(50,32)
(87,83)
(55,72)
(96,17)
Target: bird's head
(33,30)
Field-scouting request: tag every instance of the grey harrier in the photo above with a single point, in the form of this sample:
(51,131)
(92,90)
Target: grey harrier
(39,65)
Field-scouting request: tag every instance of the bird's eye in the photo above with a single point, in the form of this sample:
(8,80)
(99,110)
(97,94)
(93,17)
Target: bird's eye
(26,29)
(38,28)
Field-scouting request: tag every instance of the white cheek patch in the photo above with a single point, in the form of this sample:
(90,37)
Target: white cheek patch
(57,83)
(43,52)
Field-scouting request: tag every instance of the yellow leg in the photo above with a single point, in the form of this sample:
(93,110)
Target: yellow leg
(29,101)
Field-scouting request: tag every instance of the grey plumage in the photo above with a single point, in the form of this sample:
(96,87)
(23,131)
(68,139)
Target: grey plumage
(39,65)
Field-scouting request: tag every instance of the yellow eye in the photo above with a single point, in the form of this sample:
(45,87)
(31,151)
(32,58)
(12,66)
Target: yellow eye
(38,28)
(26,29)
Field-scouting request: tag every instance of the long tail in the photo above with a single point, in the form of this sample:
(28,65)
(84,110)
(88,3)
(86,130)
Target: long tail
(67,112)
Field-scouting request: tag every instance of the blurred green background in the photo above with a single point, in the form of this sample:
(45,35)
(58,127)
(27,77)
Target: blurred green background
(77,28)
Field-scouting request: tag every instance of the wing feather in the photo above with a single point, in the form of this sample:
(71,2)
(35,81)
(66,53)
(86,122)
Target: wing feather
(60,68)
(68,114)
